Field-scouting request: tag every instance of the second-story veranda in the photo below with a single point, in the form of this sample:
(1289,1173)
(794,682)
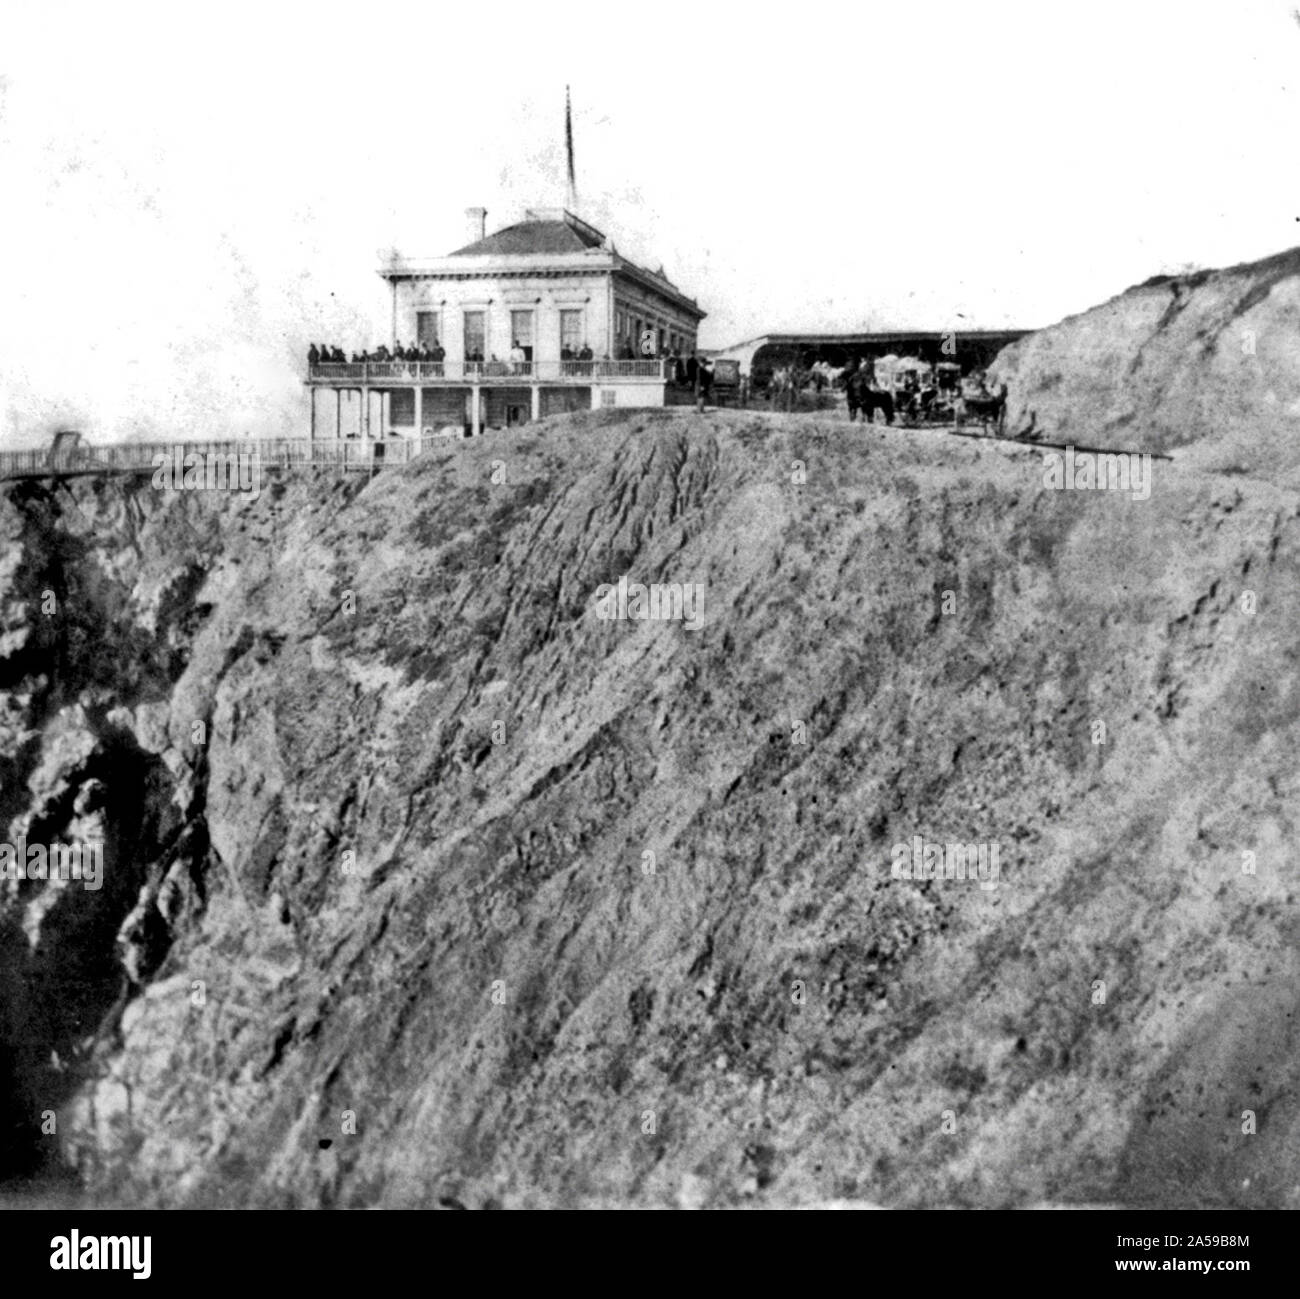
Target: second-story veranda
(398,397)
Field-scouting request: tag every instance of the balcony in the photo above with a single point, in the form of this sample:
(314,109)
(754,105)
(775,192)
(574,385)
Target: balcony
(501,373)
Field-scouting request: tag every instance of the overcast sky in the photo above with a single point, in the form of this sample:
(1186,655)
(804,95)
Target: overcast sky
(189,194)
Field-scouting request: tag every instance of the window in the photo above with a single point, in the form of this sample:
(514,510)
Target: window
(428,328)
(608,397)
(571,339)
(521,332)
(475,335)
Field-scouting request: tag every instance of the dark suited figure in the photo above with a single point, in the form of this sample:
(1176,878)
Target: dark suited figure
(703,385)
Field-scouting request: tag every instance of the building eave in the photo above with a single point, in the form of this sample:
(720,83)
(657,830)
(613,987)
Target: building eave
(592,261)
(661,286)
(794,337)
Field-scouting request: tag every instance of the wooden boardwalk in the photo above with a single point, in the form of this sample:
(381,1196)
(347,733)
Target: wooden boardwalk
(344,454)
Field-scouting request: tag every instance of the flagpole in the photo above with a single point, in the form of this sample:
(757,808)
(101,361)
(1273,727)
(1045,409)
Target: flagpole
(572,198)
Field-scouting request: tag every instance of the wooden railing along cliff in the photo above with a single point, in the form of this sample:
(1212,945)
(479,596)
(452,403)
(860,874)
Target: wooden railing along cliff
(364,454)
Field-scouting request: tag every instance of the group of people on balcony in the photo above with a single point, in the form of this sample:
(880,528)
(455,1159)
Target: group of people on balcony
(679,368)
(326,353)
(329,355)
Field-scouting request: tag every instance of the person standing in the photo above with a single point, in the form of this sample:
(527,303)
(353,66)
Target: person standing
(703,384)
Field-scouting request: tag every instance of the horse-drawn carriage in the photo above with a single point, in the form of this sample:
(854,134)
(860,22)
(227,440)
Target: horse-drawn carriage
(916,393)
(900,389)
(904,388)
(922,393)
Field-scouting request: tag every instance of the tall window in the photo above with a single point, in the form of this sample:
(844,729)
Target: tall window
(475,335)
(521,332)
(427,328)
(571,338)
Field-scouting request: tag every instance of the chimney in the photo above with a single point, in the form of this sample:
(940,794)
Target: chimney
(475,223)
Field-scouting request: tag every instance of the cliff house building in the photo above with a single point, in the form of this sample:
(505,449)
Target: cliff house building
(540,317)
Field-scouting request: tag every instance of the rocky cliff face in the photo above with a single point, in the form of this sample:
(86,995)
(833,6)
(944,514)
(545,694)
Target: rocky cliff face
(1204,365)
(424,884)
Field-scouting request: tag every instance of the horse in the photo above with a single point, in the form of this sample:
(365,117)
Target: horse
(861,396)
(824,375)
(988,408)
(785,386)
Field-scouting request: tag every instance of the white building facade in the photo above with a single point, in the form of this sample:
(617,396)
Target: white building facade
(540,317)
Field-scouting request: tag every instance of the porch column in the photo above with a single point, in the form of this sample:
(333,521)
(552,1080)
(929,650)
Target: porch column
(419,411)
(537,402)
(311,392)
(365,412)
(474,427)
(338,413)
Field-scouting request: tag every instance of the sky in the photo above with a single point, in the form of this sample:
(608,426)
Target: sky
(189,195)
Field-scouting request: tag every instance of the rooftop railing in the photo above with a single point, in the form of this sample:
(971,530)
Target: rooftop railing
(379,372)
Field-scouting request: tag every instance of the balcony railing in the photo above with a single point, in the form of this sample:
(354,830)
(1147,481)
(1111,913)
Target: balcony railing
(379,372)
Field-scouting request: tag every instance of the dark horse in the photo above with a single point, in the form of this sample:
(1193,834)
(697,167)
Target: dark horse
(988,410)
(863,397)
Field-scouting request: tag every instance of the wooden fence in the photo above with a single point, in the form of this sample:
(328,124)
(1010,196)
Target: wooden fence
(361,454)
